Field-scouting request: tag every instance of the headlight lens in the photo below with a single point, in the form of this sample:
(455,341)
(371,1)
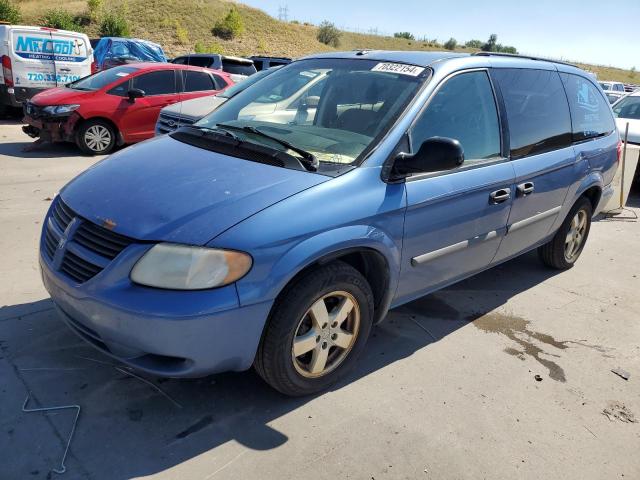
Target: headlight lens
(181,267)
(60,109)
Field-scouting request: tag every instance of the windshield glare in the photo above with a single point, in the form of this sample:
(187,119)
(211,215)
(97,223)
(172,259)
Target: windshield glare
(103,78)
(331,108)
(628,107)
(244,84)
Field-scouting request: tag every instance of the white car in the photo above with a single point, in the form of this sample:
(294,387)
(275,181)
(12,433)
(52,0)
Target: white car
(627,110)
(613,86)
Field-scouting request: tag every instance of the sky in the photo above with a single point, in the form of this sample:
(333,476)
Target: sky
(596,32)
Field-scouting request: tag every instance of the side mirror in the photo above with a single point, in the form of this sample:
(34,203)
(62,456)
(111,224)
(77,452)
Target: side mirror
(311,101)
(434,155)
(134,93)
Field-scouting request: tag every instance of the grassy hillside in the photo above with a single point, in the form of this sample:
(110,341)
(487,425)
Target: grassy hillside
(178,26)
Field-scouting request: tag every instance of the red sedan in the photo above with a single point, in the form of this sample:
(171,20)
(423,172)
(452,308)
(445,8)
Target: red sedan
(116,106)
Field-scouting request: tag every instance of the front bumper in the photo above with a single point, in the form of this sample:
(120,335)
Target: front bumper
(51,128)
(161,332)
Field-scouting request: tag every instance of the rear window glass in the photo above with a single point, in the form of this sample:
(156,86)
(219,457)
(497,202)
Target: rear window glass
(590,112)
(161,82)
(197,81)
(231,66)
(537,110)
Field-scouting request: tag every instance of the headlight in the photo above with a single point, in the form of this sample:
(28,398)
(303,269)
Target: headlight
(181,267)
(60,109)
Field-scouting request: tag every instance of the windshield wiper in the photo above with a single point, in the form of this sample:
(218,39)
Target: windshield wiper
(310,160)
(220,131)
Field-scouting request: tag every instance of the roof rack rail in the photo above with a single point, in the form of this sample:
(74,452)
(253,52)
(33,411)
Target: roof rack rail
(526,57)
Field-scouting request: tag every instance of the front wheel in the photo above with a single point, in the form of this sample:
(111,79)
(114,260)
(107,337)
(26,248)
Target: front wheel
(565,247)
(317,329)
(96,137)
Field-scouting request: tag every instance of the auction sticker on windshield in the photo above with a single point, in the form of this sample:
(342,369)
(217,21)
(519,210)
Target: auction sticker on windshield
(400,68)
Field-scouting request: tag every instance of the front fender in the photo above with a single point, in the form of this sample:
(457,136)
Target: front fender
(313,249)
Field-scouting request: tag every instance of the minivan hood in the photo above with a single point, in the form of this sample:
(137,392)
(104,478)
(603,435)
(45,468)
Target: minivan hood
(195,108)
(166,190)
(60,96)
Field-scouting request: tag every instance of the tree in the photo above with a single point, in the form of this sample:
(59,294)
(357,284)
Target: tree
(451,44)
(474,44)
(95,9)
(9,12)
(230,26)
(405,35)
(329,34)
(490,46)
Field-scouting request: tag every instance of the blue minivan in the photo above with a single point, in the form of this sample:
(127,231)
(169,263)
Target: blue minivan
(277,237)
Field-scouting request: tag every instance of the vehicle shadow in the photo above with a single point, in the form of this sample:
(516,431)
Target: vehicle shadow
(32,149)
(149,430)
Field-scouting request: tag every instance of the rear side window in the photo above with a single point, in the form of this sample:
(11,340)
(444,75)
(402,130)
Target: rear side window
(537,110)
(162,82)
(463,108)
(629,107)
(203,62)
(197,81)
(590,112)
(219,81)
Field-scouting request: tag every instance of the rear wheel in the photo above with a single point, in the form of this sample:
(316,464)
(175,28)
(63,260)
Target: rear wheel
(317,329)
(565,247)
(96,137)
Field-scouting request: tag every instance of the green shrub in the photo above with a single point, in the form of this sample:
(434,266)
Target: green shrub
(474,44)
(451,44)
(95,9)
(213,47)
(59,18)
(114,24)
(230,26)
(329,34)
(182,34)
(407,35)
(9,12)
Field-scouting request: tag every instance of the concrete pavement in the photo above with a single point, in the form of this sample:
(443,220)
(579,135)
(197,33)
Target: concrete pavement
(446,389)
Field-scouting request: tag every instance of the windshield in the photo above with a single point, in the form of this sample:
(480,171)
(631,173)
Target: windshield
(239,87)
(103,78)
(628,107)
(331,108)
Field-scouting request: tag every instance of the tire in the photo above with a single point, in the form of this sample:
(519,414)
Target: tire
(292,318)
(557,253)
(96,137)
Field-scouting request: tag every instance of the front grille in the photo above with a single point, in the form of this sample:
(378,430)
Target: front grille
(168,122)
(88,247)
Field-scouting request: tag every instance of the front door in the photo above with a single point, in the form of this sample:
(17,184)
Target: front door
(541,151)
(137,119)
(456,219)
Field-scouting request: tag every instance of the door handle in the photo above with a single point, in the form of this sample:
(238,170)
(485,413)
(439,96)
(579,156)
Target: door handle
(500,196)
(525,188)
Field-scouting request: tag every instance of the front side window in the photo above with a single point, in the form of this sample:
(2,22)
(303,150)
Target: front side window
(590,112)
(628,107)
(537,110)
(161,82)
(464,109)
(359,101)
(197,81)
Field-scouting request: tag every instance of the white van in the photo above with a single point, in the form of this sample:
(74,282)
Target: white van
(36,58)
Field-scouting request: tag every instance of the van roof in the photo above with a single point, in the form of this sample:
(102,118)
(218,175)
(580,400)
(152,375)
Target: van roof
(425,59)
(8,26)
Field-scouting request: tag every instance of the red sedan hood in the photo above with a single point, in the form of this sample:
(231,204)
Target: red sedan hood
(60,96)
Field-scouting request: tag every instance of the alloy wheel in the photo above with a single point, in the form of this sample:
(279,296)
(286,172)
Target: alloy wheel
(326,334)
(575,236)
